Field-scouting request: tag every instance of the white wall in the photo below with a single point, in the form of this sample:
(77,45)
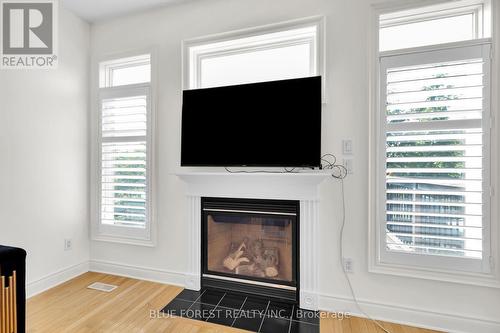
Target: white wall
(435,304)
(44,159)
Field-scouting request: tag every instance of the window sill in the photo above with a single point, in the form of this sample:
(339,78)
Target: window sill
(476,279)
(124,240)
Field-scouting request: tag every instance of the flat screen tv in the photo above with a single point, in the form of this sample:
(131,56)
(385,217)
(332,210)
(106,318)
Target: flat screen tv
(268,124)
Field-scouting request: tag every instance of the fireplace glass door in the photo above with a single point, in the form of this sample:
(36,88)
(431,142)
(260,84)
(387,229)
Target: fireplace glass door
(250,245)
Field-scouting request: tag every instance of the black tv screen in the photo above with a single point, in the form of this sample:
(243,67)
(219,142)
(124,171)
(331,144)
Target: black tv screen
(268,124)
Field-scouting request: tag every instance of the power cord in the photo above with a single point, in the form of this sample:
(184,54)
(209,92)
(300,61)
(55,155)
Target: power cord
(341,171)
(329,162)
(285,170)
(342,258)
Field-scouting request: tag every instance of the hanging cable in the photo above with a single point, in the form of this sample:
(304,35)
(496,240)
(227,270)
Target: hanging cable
(353,294)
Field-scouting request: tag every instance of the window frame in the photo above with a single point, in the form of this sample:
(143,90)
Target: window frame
(489,276)
(476,8)
(125,234)
(434,261)
(109,66)
(191,78)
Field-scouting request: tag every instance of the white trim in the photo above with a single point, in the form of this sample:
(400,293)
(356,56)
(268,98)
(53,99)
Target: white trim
(438,47)
(287,186)
(114,238)
(191,61)
(248,211)
(52,280)
(413,11)
(298,186)
(424,318)
(453,264)
(477,8)
(432,13)
(193,275)
(138,272)
(394,6)
(106,68)
(129,236)
(309,254)
(494,133)
(434,274)
(374,266)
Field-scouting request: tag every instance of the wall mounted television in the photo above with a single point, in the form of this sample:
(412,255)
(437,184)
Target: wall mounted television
(267,124)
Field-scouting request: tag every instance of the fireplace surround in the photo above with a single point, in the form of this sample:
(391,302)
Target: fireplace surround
(251,246)
(302,187)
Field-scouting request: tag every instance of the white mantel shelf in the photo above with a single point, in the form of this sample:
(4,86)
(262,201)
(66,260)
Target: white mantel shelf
(284,185)
(302,186)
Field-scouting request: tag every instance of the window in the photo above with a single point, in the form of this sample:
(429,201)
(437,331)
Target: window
(282,52)
(436,182)
(433,151)
(125,161)
(439,24)
(131,70)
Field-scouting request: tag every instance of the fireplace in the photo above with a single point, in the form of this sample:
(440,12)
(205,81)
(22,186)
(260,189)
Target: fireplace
(300,189)
(251,246)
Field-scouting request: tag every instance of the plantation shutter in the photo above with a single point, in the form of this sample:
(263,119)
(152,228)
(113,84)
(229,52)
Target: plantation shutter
(435,137)
(124,158)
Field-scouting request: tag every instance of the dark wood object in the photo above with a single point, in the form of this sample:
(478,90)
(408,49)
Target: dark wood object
(12,290)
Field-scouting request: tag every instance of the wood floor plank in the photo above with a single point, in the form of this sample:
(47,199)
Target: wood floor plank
(72,308)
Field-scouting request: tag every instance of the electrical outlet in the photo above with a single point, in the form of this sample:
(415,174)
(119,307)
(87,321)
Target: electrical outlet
(347,262)
(349,165)
(347,148)
(68,244)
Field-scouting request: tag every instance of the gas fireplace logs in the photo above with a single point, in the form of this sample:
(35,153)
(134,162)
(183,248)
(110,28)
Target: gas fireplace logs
(235,258)
(251,258)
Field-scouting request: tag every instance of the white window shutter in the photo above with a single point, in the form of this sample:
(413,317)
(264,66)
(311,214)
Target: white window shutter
(435,164)
(125,161)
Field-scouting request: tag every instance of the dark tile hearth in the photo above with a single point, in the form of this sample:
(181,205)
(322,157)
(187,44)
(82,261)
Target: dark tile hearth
(189,295)
(232,301)
(212,297)
(243,311)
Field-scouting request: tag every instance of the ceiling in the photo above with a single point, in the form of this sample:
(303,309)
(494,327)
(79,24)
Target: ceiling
(98,10)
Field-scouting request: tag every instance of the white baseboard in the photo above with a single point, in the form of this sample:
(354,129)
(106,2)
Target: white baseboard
(455,323)
(138,272)
(51,280)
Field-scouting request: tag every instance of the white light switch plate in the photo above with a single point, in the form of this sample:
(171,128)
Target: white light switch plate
(347,148)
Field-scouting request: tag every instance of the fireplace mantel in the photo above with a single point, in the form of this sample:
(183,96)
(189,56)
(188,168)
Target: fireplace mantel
(302,186)
(288,186)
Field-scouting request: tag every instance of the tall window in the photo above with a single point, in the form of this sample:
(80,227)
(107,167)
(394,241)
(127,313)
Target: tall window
(281,52)
(125,147)
(433,185)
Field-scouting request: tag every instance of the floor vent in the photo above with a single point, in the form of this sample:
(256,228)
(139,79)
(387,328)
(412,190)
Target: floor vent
(102,287)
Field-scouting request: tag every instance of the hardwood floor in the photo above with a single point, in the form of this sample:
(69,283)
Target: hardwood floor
(71,307)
